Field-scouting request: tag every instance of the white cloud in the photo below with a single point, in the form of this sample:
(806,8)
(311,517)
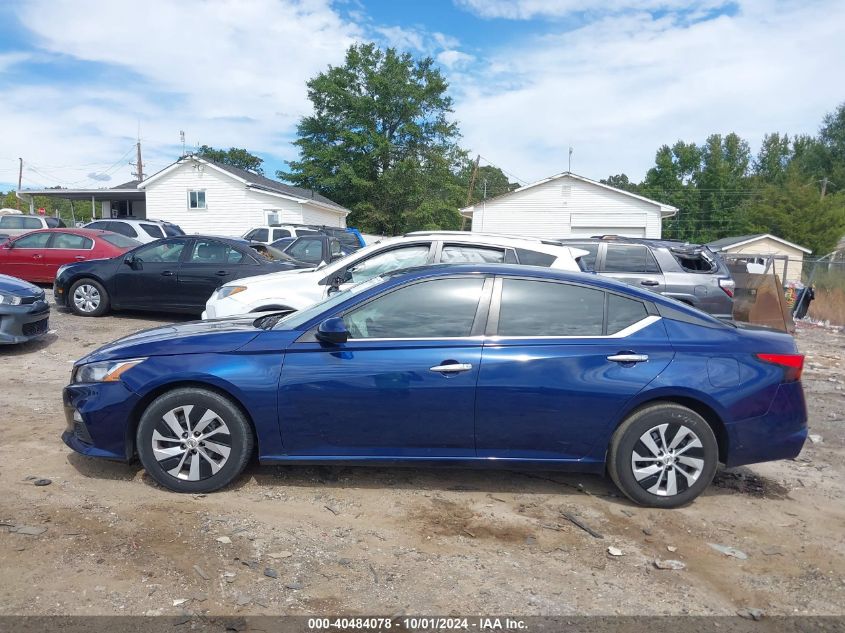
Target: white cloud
(530,9)
(227,72)
(619,87)
(453,58)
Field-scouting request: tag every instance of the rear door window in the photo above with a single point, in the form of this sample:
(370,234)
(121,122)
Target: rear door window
(541,308)
(629,258)
(465,253)
(71,241)
(123,228)
(280,233)
(153,230)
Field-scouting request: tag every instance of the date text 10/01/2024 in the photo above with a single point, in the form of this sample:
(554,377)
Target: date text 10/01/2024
(417,623)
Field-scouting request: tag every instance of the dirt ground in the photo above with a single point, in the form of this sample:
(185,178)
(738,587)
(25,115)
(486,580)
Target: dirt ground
(301,540)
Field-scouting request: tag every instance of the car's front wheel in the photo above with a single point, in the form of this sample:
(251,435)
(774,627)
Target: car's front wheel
(88,297)
(194,440)
(663,455)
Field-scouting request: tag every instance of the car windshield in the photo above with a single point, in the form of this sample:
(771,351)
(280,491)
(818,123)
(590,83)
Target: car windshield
(121,241)
(297,319)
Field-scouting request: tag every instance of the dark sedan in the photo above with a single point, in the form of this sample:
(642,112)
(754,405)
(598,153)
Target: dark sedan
(24,314)
(177,274)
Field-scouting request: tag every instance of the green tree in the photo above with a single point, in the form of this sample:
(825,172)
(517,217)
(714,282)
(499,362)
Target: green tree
(380,141)
(772,160)
(234,156)
(621,181)
(795,211)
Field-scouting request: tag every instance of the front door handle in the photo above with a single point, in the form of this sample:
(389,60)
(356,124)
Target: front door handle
(452,368)
(222,273)
(79,258)
(628,358)
(167,273)
(649,282)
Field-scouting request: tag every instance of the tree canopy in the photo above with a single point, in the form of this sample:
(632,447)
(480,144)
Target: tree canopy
(381,143)
(793,188)
(234,156)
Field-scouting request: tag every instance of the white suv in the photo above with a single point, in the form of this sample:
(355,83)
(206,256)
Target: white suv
(297,289)
(144,231)
(269,234)
(18,224)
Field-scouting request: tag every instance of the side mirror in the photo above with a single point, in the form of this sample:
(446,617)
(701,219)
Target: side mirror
(333,331)
(130,261)
(334,286)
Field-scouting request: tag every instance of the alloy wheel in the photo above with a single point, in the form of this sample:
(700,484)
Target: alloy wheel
(667,459)
(191,450)
(86,298)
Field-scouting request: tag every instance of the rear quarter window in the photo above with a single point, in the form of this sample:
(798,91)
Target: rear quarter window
(623,312)
(533,258)
(153,230)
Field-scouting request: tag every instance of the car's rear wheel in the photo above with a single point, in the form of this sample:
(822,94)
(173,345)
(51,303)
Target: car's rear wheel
(194,440)
(663,455)
(88,297)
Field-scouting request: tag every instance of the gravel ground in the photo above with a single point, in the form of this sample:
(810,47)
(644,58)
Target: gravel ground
(105,539)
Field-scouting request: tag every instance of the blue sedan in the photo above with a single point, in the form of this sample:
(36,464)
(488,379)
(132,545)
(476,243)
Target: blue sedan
(470,364)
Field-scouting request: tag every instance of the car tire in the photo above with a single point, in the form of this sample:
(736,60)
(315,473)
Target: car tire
(187,461)
(88,298)
(663,455)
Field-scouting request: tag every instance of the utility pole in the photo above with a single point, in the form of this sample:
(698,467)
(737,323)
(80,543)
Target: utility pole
(471,187)
(20,178)
(138,164)
(571,149)
(824,182)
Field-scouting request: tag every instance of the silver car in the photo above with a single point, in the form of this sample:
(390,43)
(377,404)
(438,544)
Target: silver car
(690,273)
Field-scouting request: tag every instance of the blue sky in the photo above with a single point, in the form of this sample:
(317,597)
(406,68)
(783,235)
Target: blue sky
(529,78)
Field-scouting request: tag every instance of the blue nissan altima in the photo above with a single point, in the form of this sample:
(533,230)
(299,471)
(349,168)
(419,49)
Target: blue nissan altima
(469,364)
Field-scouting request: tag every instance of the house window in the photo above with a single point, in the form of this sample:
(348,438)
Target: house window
(196,199)
(274,218)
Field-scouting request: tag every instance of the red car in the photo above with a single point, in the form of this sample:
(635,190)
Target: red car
(37,255)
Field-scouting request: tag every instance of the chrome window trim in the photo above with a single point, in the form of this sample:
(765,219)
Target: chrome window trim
(628,331)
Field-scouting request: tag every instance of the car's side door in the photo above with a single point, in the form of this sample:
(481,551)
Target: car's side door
(65,248)
(403,385)
(632,264)
(146,278)
(559,362)
(24,257)
(208,265)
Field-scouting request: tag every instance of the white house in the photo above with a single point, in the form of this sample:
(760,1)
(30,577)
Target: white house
(756,249)
(568,205)
(203,196)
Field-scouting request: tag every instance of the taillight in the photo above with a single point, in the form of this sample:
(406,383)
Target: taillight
(792,363)
(727,286)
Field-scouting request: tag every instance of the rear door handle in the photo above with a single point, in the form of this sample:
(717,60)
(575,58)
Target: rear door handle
(628,358)
(222,273)
(649,282)
(167,273)
(453,368)
(79,258)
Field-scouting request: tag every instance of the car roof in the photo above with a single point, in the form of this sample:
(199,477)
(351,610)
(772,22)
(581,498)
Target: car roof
(632,240)
(520,270)
(74,231)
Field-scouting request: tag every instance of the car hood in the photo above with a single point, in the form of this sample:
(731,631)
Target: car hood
(194,337)
(19,287)
(269,278)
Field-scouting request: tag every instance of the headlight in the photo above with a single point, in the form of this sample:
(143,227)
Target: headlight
(228,291)
(108,371)
(9,300)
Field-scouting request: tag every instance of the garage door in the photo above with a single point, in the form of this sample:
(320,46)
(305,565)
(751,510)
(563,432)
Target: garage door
(587,231)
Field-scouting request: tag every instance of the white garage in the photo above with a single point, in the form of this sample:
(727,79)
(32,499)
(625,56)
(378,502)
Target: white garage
(568,205)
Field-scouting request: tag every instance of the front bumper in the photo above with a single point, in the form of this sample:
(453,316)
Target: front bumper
(779,434)
(19,324)
(100,419)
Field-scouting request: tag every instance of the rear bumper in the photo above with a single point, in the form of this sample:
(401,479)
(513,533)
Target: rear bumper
(779,434)
(19,324)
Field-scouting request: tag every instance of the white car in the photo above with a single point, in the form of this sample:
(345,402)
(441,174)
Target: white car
(269,234)
(16,224)
(297,289)
(144,231)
